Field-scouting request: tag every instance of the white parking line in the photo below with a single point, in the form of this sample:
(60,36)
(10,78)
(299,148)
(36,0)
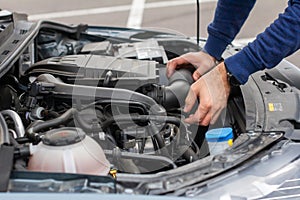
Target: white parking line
(74,13)
(93,11)
(136,14)
(162,4)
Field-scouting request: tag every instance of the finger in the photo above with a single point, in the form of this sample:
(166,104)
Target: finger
(196,75)
(190,100)
(191,120)
(204,113)
(206,119)
(173,64)
(195,118)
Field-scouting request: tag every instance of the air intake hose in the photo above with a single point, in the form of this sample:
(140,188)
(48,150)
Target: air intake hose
(173,95)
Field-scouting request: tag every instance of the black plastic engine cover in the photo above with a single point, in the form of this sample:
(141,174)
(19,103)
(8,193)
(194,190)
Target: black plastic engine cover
(97,70)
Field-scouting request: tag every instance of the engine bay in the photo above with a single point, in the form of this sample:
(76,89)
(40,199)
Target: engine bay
(78,102)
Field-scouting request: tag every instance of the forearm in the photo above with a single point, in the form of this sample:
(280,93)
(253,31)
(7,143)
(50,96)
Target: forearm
(278,41)
(229,17)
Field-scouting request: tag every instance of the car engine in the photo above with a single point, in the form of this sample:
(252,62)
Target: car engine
(78,102)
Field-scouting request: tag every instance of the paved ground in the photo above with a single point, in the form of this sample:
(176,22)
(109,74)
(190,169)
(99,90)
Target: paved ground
(172,15)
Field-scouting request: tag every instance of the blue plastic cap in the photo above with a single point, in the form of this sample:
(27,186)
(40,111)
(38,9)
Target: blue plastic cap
(219,135)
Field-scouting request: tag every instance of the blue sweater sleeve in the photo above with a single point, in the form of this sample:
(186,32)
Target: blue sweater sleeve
(279,40)
(229,17)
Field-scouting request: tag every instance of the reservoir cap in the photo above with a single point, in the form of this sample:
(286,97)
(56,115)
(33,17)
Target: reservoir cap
(63,136)
(219,135)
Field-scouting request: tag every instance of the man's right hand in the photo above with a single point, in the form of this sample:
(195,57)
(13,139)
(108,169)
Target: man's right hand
(201,61)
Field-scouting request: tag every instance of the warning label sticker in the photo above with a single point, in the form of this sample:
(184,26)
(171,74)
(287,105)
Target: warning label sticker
(273,107)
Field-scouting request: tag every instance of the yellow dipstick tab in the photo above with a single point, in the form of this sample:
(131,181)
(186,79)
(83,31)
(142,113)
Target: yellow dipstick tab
(230,142)
(113,173)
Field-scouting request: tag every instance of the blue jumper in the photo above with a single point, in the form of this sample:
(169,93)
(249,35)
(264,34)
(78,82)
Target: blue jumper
(279,40)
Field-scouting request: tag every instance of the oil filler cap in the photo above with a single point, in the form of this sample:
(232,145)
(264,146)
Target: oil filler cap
(63,136)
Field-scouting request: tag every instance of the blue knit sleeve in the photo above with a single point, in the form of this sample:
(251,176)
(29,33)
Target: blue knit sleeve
(279,40)
(229,17)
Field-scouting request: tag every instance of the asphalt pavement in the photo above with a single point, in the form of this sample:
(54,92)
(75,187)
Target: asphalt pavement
(178,16)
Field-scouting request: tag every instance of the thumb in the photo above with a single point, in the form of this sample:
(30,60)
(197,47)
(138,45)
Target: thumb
(173,64)
(196,75)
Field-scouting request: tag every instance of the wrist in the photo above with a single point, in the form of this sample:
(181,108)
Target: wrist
(214,59)
(223,71)
(232,80)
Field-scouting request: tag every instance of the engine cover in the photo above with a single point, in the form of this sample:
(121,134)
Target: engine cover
(97,70)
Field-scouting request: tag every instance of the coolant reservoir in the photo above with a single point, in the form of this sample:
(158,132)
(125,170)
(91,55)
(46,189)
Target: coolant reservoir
(69,150)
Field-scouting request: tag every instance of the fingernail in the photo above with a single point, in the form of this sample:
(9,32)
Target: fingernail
(187,119)
(185,109)
(196,76)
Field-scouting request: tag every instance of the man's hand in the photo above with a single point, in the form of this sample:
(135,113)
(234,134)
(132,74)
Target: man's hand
(212,90)
(202,61)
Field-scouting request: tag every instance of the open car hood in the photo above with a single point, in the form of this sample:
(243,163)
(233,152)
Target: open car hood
(89,109)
